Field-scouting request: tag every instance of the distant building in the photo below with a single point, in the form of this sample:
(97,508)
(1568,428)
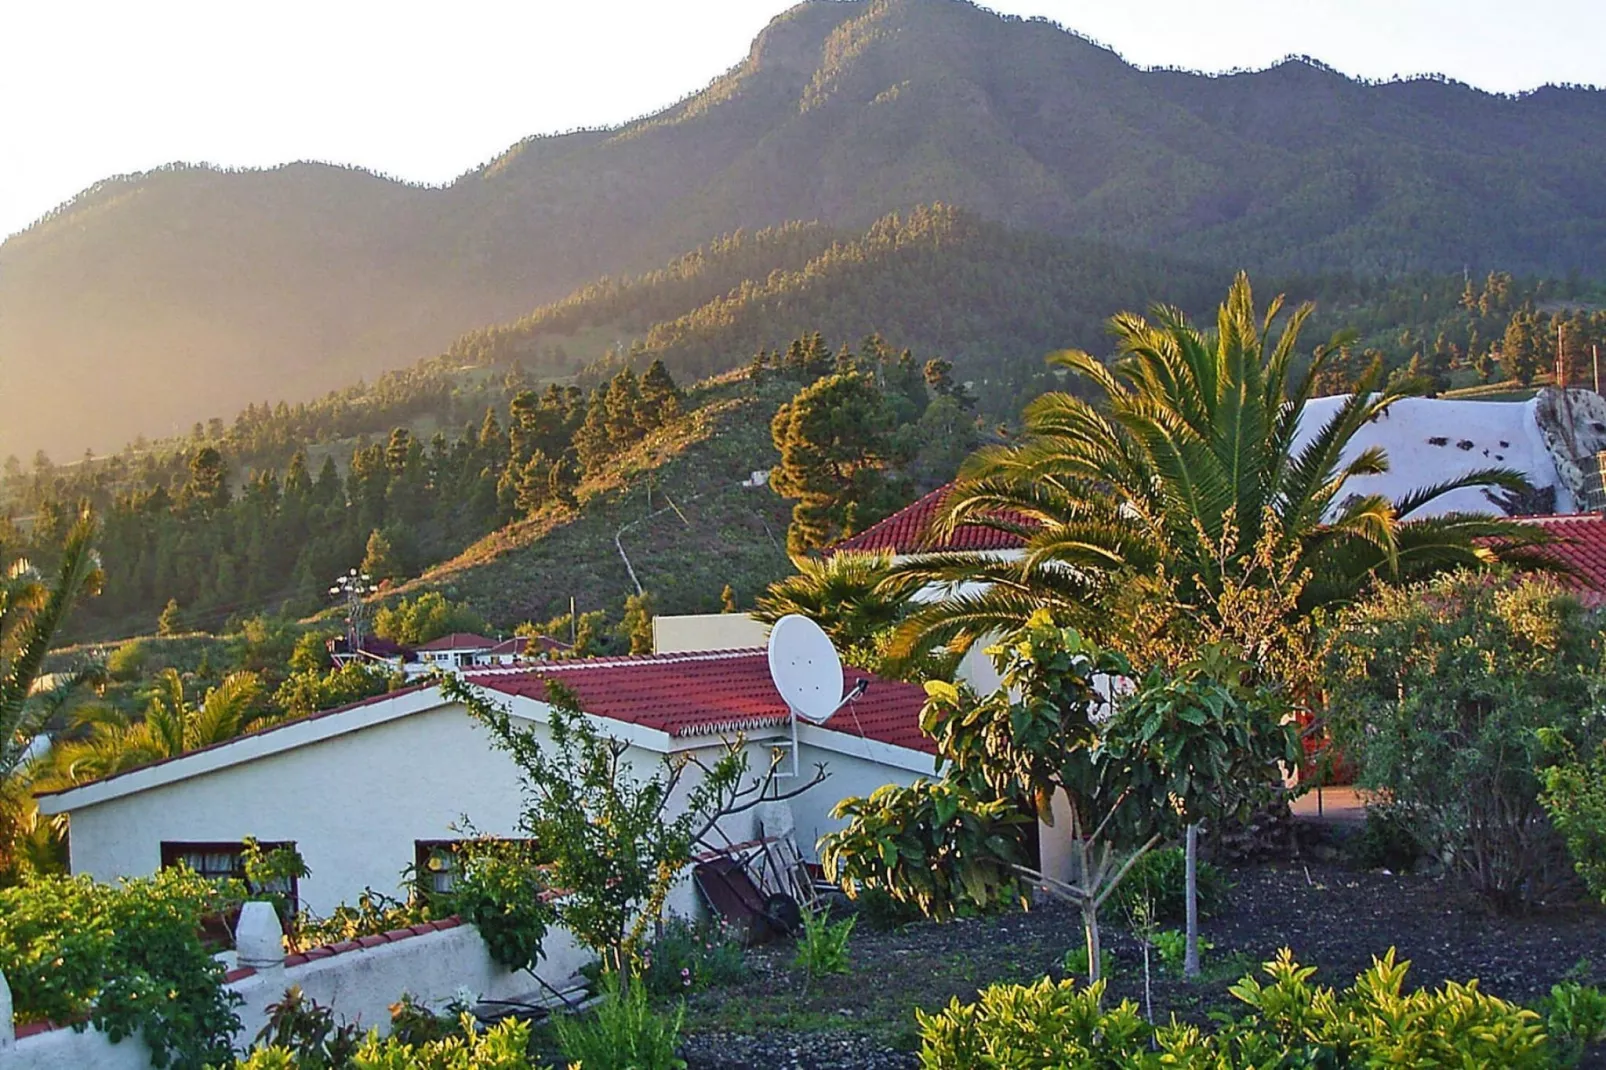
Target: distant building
(519,649)
(453,652)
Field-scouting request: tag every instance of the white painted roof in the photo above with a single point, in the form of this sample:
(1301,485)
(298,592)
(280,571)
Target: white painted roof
(1500,433)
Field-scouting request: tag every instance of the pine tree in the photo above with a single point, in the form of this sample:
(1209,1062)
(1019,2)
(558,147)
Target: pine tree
(1519,356)
(660,397)
(170,622)
(379,560)
(832,438)
(592,444)
(621,408)
(207,489)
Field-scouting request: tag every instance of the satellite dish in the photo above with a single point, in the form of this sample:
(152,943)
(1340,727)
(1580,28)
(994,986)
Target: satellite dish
(805,668)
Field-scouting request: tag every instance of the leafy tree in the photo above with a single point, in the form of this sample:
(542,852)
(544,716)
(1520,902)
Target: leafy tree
(1046,743)
(1223,742)
(727,600)
(311,654)
(636,628)
(427,617)
(1191,448)
(607,833)
(833,443)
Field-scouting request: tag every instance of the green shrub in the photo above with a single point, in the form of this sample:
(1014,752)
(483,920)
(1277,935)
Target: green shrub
(1452,697)
(1575,1017)
(306,692)
(624,1033)
(308,1031)
(1044,1026)
(1290,1023)
(1160,877)
(1075,962)
(1384,842)
(1575,798)
(685,957)
(128,958)
(1171,945)
(823,947)
(502,1047)
(883,913)
(500,891)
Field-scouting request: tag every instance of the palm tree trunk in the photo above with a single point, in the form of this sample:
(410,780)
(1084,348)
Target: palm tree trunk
(1190,959)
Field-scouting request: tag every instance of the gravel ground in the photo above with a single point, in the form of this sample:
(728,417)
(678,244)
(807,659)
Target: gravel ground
(1332,917)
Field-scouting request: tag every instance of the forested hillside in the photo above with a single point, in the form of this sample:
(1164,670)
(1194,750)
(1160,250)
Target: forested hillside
(179,294)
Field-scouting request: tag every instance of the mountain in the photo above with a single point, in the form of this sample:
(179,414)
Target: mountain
(153,300)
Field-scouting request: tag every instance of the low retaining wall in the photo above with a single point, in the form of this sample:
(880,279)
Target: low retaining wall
(358,979)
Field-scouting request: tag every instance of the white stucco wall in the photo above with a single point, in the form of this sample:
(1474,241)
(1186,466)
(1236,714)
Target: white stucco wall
(850,775)
(353,805)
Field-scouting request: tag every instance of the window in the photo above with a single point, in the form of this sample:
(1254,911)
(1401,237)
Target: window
(435,862)
(222,861)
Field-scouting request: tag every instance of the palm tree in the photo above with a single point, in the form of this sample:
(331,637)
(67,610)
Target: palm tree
(855,597)
(31,612)
(112,742)
(1185,467)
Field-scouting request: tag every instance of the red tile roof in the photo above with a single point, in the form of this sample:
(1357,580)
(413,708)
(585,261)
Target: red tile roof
(906,532)
(458,641)
(1581,545)
(711,692)
(519,644)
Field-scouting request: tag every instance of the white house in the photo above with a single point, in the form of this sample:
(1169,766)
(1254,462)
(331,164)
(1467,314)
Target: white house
(367,790)
(519,649)
(453,652)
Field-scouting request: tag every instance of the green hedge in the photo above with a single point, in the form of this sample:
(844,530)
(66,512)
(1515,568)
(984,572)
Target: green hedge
(127,958)
(1289,1023)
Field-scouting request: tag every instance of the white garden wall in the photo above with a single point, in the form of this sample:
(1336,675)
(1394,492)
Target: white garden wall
(359,981)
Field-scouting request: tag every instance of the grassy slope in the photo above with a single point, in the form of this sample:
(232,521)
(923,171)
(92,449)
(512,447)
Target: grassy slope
(722,532)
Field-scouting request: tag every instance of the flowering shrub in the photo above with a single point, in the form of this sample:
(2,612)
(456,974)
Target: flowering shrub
(127,958)
(686,957)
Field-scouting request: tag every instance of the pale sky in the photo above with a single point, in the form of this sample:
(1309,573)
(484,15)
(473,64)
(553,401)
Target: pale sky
(425,91)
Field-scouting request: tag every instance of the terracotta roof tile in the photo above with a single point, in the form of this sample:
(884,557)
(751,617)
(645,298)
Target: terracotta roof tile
(711,692)
(907,532)
(1580,544)
(458,641)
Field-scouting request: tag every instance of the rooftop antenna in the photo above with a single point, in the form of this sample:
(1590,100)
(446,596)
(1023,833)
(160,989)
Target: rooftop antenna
(808,673)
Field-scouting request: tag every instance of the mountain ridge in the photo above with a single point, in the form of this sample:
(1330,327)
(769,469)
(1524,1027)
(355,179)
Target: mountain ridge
(172,295)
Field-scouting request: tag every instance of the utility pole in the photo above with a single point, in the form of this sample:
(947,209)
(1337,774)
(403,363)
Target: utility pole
(354,586)
(1561,359)
(1594,351)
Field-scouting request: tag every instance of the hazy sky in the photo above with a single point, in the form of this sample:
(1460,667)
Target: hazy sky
(427,90)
